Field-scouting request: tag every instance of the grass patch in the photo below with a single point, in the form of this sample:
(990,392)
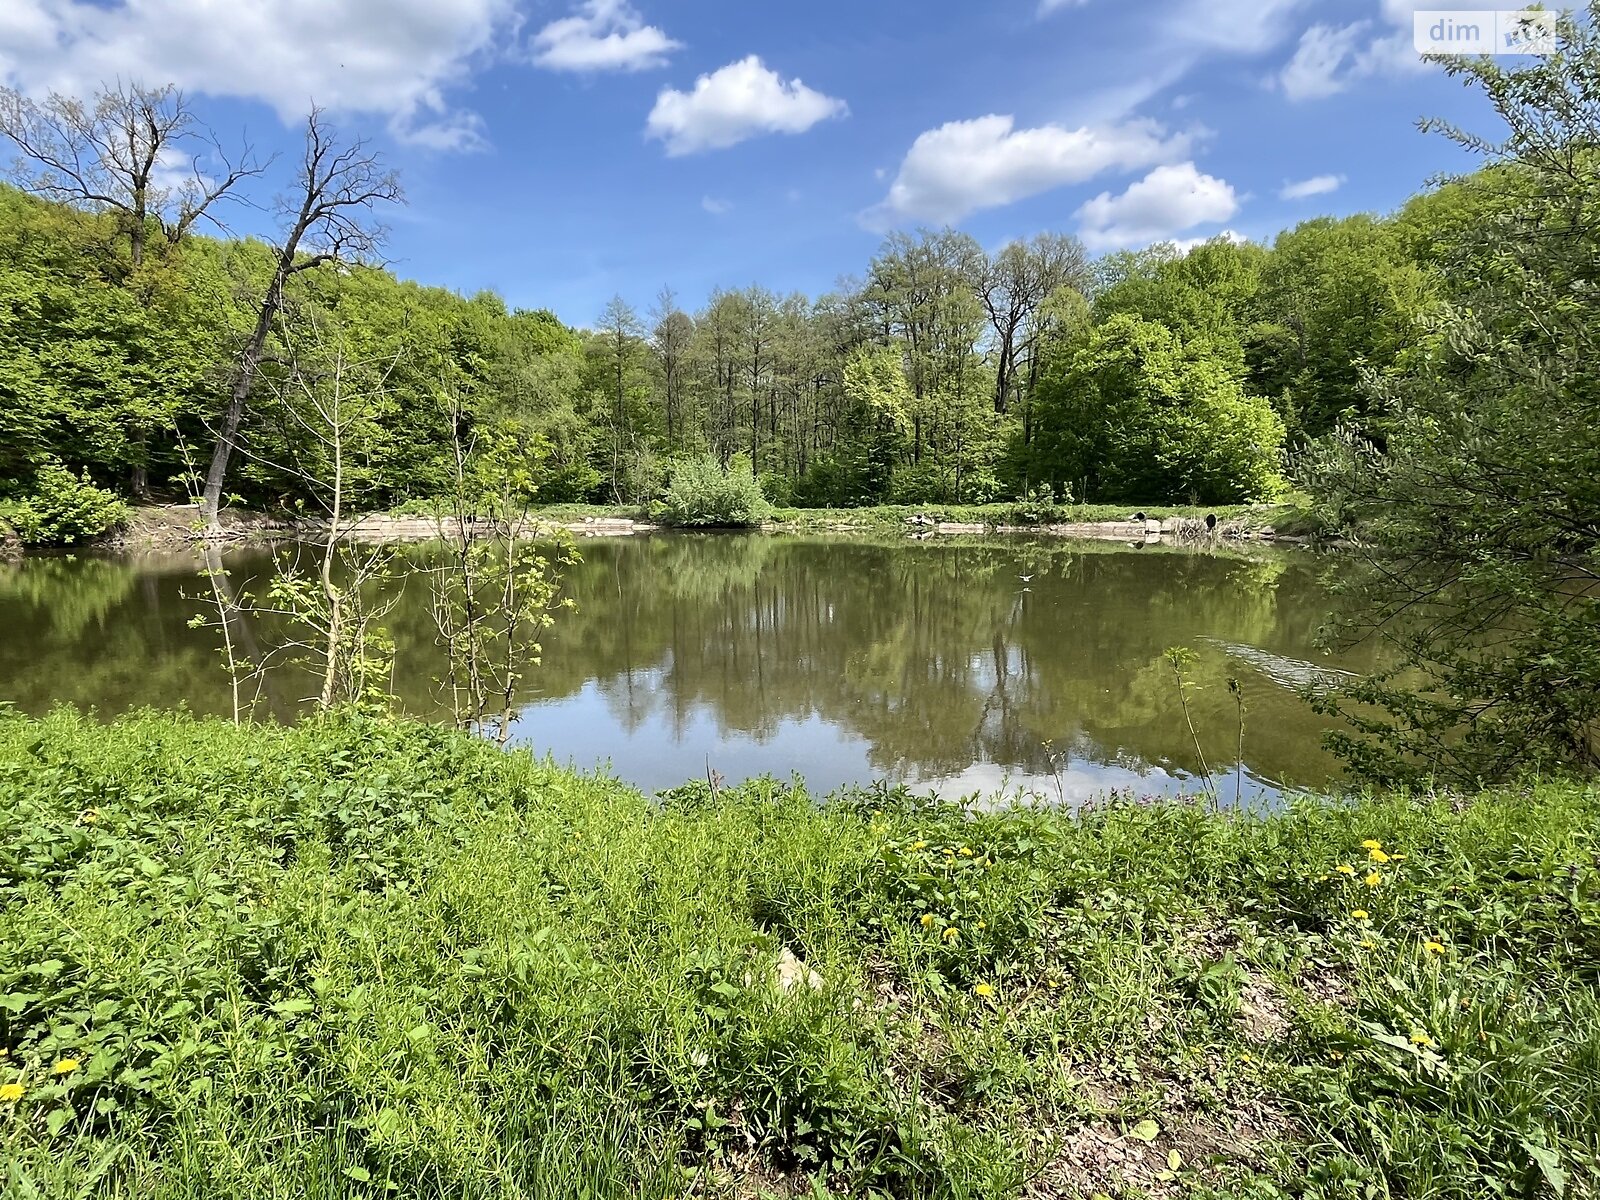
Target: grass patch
(366,958)
(897,515)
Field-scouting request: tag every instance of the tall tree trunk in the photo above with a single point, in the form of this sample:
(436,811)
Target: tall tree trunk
(244,377)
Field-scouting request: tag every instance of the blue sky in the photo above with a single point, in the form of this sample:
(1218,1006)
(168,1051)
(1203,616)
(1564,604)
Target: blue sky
(561,151)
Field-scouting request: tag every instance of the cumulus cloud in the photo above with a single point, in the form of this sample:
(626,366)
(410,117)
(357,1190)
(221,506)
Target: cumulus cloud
(1317,185)
(1169,200)
(739,101)
(394,58)
(964,166)
(602,35)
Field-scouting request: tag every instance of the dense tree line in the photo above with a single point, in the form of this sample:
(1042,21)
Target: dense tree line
(138,350)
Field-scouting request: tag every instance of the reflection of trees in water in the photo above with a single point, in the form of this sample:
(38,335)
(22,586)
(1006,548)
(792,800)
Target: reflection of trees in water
(937,654)
(934,653)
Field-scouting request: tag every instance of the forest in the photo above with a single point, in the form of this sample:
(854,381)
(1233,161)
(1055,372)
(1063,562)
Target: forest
(942,373)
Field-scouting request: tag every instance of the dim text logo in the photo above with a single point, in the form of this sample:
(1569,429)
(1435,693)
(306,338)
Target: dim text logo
(1484,31)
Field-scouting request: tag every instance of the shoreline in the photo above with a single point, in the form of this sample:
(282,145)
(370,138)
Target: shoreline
(172,526)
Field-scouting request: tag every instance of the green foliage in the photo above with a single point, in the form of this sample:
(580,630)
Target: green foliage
(1134,413)
(704,493)
(1043,505)
(327,960)
(1475,493)
(63,509)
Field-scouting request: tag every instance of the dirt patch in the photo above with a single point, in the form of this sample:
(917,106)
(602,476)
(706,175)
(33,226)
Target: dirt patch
(1156,1156)
(1262,1016)
(164,526)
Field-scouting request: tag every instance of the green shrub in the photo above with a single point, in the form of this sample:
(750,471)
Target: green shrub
(920,483)
(832,483)
(706,494)
(63,510)
(1041,506)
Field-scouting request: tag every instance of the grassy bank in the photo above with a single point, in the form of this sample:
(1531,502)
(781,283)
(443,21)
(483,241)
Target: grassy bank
(361,959)
(897,515)
(1284,517)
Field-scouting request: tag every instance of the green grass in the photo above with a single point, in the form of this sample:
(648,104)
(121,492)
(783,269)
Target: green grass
(1286,518)
(366,958)
(896,515)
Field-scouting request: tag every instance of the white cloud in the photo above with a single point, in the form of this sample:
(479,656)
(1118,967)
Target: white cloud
(1046,7)
(964,166)
(1331,58)
(715,206)
(1324,62)
(395,58)
(1184,245)
(602,35)
(1168,201)
(741,100)
(1317,185)
(1233,26)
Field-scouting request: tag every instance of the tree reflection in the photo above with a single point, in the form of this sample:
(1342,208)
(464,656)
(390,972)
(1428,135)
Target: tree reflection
(936,655)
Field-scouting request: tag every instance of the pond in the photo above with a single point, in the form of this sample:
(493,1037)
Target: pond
(957,666)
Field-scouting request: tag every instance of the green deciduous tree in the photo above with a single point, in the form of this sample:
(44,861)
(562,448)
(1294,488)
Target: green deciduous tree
(1481,504)
(1132,413)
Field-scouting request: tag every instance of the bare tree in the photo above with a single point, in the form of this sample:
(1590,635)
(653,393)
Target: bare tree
(135,151)
(328,219)
(1014,284)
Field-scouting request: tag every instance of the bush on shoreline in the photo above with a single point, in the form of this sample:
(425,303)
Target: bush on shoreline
(63,509)
(704,494)
(366,958)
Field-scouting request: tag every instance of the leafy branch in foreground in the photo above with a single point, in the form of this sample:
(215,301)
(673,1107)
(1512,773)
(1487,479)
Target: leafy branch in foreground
(1476,488)
(498,590)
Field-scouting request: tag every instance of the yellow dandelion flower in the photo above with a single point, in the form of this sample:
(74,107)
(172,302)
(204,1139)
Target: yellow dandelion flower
(1345,869)
(89,816)
(927,920)
(67,1066)
(1366,945)
(951,934)
(1372,844)
(1419,1038)
(10,1093)
(965,852)
(983,924)
(1323,878)
(1397,858)
(1360,914)
(1055,983)
(1373,879)
(1433,947)
(1377,856)
(983,989)
(949,853)
(919,845)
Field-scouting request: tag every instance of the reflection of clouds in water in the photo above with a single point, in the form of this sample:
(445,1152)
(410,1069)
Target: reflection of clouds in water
(996,784)
(592,730)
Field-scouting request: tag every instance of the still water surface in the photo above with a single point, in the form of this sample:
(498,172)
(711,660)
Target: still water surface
(956,666)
